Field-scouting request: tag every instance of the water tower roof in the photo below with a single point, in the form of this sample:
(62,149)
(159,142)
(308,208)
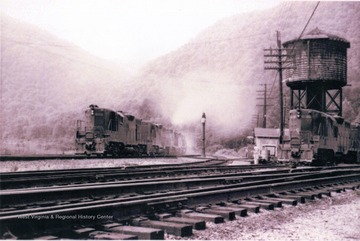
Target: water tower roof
(319,34)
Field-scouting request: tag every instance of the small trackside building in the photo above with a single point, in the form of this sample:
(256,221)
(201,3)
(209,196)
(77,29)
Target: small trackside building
(267,142)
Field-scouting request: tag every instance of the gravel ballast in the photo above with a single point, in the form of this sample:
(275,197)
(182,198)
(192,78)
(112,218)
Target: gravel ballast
(329,218)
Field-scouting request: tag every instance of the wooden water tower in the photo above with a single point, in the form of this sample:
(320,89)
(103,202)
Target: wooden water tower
(318,73)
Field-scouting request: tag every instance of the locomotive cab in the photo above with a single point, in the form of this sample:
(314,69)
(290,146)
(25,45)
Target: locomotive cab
(318,138)
(93,131)
(301,142)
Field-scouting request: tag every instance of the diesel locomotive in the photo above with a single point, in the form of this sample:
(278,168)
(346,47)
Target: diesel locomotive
(107,132)
(320,139)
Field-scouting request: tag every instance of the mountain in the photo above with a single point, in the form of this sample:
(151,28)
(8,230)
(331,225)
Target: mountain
(46,83)
(220,71)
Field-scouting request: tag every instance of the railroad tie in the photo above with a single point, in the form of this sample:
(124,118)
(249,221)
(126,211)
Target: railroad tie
(143,233)
(310,194)
(242,212)
(264,205)
(111,236)
(276,203)
(324,192)
(196,223)
(310,190)
(336,188)
(298,198)
(305,195)
(289,201)
(348,187)
(176,229)
(248,207)
(201,216)
(111,225)
(47,237)
(83,232)
(227,214)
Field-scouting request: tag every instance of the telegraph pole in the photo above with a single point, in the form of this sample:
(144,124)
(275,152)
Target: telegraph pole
(274,60)
(264,105)
(255,120)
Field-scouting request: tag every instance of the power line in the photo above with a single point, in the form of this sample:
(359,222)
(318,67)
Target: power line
(309,19)
(289,5)
(287,10)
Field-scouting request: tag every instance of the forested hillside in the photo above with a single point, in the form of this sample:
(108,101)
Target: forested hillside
(46,82)
(222,68)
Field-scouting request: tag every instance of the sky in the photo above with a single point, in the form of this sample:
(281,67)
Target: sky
(130,32)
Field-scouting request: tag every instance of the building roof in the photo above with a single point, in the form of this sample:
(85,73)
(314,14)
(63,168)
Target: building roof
(269,132)
(319,34)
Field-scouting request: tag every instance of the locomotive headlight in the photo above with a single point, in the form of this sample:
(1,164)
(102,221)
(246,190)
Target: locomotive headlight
(298,113)
(92,112)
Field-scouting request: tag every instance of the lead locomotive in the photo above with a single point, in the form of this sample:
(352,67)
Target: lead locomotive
(319,138)
(107,132)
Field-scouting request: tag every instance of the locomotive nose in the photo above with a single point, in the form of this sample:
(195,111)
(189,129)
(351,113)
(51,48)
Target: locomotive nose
(90,146)
(89,141)
(295,153)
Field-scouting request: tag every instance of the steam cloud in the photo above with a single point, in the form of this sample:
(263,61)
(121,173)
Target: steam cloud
(228,105)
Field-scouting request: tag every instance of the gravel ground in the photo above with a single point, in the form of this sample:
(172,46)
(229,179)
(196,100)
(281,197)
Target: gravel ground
(330,218)
(41,165)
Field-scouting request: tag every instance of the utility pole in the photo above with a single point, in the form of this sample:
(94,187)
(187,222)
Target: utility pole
(264,105)
(275,60)
(255,120)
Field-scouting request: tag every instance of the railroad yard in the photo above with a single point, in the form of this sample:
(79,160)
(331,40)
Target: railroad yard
(138,163)
(202,199)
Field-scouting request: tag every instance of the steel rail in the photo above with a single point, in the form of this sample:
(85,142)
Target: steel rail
(19,181)
(187,197)
(221,178)
(168,181)
(118,175)
(16,196)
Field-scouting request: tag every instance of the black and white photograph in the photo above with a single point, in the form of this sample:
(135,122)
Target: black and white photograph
(180,120)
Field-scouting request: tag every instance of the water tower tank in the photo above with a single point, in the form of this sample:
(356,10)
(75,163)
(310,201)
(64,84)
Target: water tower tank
(317,57)
(316,67)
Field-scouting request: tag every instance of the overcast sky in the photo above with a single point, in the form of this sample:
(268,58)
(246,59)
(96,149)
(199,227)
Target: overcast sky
(128,31)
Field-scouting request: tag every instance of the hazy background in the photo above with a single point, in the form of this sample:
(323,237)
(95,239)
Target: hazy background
(166,61)
(130,32)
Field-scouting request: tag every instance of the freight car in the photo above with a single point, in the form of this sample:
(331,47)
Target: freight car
(320,139)
(107,132)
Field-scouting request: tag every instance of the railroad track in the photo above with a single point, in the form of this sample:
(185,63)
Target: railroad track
(77,176)
(65,156)
(148,208)
(12,180)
